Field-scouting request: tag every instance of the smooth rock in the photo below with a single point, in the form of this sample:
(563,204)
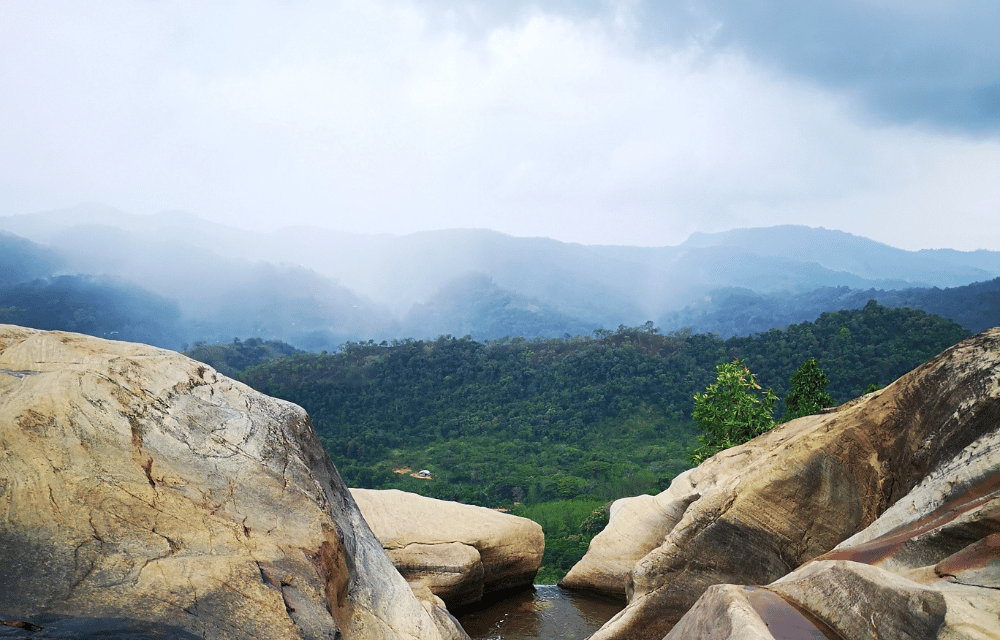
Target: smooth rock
(860,601)
(636,526)
(436,608)
(722,613)
(460,552)
(137,483)
(453,571)
(47,627)
(929,567)
(754,513)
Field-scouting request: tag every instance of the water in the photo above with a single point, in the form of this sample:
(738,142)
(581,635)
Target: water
(543,613)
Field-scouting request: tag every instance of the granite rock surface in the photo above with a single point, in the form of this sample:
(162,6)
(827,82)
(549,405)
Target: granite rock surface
(137,483)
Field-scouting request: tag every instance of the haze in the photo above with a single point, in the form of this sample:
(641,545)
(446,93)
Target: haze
(633,122)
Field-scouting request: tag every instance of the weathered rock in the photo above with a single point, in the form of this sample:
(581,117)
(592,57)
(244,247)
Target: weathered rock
(436,608)
(137,483)
(754,513)
(929,567)
(70,628)
(731,612)
(636,527)
(460,552)
(451,570)
(860,601)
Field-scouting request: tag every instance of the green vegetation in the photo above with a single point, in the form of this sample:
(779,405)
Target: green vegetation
(96,306)
(504,421)
(569,527)
(737,312)
(230,359)
(808,394)
(555,428)
(730,412)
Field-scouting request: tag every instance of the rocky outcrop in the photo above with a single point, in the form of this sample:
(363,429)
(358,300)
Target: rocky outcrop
(754,513)
(137,483)
(929,567)
(460,552)
(636,526)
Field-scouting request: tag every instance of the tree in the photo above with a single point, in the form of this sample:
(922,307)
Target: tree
(730,411)
(808,394)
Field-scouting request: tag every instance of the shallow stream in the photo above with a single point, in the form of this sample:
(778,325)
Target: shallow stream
(543,613)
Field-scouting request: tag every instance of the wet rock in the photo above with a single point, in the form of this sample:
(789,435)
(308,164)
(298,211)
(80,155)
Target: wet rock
(731,612)
(927,568)
(70,628)
(860,601)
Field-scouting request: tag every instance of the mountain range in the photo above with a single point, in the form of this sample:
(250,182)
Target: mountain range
(317,288)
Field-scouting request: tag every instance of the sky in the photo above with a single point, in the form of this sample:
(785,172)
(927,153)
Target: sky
(631,122)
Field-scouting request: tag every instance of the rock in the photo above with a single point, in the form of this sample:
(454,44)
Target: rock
(636,527)
(929,567)
(726,612)
(460,552)
(860,601)
(754,513)
(137,483)
(436,608)
(453,571)
(71,628)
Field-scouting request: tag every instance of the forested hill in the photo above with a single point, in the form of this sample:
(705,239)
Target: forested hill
(734,311)
(559,417)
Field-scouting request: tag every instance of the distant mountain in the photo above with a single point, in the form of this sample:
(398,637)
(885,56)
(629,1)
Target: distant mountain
(232,357)
(847,253)
(97,306)
(741,312)
(317,287)
(476,305)
(22,260)
(218,298)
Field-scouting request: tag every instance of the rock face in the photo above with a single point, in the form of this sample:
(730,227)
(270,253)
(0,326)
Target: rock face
(929,567)
(460,552)
(636,526)
(754,513)
(137,483)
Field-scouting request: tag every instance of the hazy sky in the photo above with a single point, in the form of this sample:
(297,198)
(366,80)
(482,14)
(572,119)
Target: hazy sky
(632,122)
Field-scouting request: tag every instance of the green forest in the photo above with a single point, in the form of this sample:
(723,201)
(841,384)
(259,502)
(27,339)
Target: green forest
(555,429)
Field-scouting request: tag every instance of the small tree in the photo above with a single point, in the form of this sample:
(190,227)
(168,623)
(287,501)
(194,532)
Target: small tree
(808,394)
(730,412)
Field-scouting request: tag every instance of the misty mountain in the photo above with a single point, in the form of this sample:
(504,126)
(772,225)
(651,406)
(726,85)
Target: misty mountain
(741,312)
(476,305)
(217,298)
(317,288)
(97,306)
(23,261)
(846,253)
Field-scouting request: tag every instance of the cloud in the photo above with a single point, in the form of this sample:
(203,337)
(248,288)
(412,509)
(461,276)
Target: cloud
(593,122)
(928,62)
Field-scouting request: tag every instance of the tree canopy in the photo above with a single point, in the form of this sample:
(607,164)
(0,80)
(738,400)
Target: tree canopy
(732,410)
(808,395)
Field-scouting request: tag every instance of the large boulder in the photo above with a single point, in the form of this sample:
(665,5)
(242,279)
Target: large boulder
(136,483)
(460,552)
(929,567)
(635,527)
(754,513)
